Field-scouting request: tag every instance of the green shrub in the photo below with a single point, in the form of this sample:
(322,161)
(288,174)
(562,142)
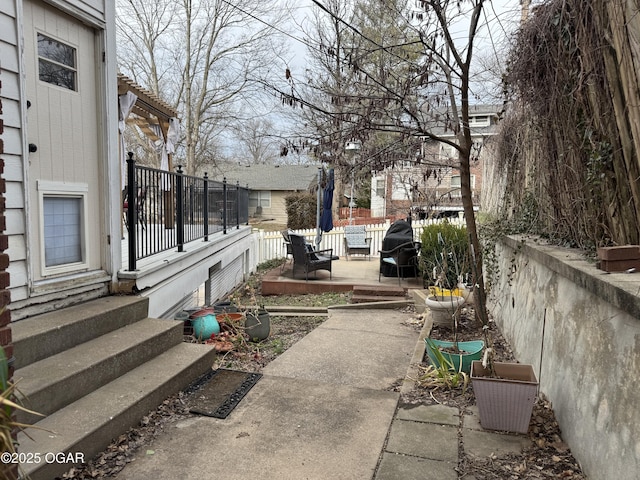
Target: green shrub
(445,250)
(301,210)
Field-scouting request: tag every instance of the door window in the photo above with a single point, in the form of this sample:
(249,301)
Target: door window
(56,63)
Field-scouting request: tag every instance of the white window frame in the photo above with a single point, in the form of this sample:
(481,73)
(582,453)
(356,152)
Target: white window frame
(458,192)
(448,152)
(64,190)
(262,196)
(479,121)
(70,68)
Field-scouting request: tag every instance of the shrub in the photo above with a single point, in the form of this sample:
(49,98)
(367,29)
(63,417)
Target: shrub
(444,254)
(301,211)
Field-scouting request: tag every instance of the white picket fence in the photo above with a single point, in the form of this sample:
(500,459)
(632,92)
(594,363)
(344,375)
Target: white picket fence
(270,245)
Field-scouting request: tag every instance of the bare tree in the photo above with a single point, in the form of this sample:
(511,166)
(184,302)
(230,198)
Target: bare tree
(257,141)
(413,85)
(204,57)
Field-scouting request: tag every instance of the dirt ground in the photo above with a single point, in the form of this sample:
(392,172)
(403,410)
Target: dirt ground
(546,457)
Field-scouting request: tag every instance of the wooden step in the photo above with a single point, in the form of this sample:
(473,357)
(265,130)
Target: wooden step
(379,290)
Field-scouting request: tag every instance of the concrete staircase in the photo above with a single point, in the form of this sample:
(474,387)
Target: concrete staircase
(377,293)
(94,370)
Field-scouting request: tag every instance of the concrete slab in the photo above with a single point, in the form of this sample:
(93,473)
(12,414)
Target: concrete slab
(485,443)
(394,466)
(362,348)
(426,440)
(438,414)
(471,418)
(283,429)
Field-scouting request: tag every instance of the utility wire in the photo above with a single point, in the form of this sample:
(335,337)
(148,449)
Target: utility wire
(293,37)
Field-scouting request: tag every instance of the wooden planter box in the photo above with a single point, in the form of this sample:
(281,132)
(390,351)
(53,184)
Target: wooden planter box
(505,403)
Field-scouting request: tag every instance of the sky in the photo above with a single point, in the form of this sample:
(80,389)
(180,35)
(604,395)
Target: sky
(501,18)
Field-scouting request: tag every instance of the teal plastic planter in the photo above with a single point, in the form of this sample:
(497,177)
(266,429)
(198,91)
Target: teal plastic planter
(470,351)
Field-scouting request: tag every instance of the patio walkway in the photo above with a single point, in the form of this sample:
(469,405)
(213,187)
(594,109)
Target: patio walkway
(344,276)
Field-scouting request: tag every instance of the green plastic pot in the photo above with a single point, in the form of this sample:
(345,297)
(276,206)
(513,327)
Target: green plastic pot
(470,351)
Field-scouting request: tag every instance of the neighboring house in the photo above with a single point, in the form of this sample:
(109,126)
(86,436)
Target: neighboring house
(434,187)
(269,185)
(63,171)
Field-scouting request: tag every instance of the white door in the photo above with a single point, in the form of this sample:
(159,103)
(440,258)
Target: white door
(63,136)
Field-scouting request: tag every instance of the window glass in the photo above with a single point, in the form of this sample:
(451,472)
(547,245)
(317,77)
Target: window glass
(260,199)
(62,230)
(56,63)
(455,181)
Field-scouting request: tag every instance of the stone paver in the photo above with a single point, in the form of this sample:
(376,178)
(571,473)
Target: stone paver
(403,467)
(325,410)
(426,440)
(438,414)
(484,444)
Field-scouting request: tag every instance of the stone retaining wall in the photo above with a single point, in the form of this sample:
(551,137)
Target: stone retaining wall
(580,328)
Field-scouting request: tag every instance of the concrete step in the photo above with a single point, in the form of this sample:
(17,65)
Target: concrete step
(379,290)
(45,335)
(374,298)
(56,381)
(88,425)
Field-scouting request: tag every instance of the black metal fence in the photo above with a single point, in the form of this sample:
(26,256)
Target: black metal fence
(171,209)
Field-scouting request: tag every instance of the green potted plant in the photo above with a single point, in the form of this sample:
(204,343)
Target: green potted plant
(444,256)
(443,374)
(444,260)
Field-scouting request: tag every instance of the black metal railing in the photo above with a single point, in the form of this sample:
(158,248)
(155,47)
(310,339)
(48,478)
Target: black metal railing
(171,209)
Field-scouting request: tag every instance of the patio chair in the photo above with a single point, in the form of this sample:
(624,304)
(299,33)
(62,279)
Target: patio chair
(309,260)
(356,241)
(141,196)
(402,258)
(287,244)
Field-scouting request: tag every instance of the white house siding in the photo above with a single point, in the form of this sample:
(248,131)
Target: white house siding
(378,201)
(92,12)
(13,146)
(100,16)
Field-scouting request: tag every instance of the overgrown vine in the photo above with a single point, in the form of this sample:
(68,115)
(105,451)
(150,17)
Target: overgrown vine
(561,143)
